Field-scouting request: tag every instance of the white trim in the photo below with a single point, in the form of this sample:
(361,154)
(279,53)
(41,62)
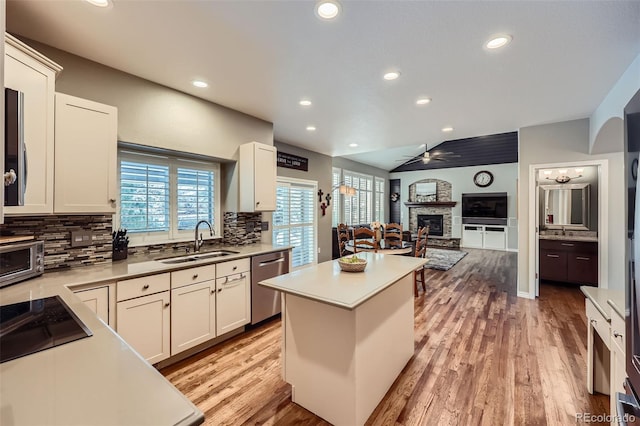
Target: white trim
(603,221)
(512,250)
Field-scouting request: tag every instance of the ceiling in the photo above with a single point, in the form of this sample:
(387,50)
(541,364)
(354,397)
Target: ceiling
(263,57)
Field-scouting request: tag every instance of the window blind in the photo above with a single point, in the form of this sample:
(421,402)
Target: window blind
(144,196)
(195,197)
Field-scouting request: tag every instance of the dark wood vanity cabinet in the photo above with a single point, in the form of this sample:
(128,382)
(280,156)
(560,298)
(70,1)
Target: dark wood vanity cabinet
(569,261)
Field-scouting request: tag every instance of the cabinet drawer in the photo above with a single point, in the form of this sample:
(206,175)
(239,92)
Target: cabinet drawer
(598,322)
(553,265)
(233,267)
(142,286)
(571,246)
(192,275)
(618,333)
(583,268)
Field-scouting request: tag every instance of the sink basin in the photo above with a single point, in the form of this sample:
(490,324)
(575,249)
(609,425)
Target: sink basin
(194,257)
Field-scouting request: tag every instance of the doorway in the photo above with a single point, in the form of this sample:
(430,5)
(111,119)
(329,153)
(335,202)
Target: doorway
(570,223)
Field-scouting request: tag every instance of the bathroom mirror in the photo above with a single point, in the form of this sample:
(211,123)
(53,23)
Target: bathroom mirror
(566,206)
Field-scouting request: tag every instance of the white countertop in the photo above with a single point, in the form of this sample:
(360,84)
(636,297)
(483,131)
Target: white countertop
(326,283)
(569,238)
(604,300)
(98,380)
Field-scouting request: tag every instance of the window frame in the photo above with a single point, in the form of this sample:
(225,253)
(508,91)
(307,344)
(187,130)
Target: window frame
(339,200)
(173,162)
(314,187)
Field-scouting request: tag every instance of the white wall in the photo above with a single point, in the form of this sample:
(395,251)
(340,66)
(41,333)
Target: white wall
(461,178)
(2,28)
(569,142)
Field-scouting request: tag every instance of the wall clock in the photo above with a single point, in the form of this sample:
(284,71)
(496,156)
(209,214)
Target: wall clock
(483,178)
(395,196)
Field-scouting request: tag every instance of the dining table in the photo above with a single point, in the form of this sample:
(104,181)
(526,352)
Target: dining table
(383,248)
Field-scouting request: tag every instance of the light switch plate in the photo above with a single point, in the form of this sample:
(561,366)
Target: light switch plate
(80,238)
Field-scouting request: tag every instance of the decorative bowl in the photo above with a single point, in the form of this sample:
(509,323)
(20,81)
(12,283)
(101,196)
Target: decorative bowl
(352,264)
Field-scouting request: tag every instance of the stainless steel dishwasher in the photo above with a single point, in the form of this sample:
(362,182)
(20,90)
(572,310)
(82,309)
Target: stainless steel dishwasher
(265,302)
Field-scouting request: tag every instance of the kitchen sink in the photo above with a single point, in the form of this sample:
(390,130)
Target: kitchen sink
(195,257)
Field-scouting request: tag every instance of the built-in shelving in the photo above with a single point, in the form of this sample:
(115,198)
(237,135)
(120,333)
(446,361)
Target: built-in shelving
(432,204)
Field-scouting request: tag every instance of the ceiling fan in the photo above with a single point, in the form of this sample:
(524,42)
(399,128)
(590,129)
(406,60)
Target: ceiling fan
(427,157)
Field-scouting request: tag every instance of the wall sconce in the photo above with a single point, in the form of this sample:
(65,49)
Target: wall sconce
(563,176)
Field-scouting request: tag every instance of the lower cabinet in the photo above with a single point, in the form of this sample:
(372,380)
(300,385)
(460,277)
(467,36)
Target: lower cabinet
(233,295)
(144,319)
(491,237)
(569,261)
(101,300)
(618,362)
(193,308)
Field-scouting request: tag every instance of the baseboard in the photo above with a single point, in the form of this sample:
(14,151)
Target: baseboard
(525,295)
(512,250)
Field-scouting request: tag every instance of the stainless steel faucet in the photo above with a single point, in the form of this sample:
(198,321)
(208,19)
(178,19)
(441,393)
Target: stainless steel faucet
(198,242)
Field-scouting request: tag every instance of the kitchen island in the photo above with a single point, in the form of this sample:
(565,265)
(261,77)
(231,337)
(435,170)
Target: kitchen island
(347,336)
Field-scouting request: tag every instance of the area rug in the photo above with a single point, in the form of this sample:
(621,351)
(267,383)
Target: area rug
(443,260)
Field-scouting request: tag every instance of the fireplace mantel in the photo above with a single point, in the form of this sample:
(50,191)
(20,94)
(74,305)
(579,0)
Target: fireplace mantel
(432,204)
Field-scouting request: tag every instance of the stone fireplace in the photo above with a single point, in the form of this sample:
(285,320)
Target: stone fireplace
(438,214)
(435,222)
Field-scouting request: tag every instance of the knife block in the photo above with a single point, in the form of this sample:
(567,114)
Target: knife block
(120,253)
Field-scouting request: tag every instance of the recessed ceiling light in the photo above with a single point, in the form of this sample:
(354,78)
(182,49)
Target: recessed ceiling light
(353,145)
(305,102)
(199,83)
(311,128)
(563,171)
(392,75)
(423,101)
(498,41)
(99,3)
(327,9)
(547,172)
(579,170)
(447,129)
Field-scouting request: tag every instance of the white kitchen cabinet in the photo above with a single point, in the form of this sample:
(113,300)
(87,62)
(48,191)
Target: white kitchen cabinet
(233,295)
(86,138)
(101,300)
(618,362)
(143,315)
(34,75)
(193,307)
(257,175)
(493,237)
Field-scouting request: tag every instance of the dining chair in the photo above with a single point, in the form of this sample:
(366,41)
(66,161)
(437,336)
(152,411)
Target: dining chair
(343,238)
(364,239)
(393,235)
(421,250)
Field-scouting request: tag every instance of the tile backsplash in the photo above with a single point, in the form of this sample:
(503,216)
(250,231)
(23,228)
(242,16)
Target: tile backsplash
(55,231)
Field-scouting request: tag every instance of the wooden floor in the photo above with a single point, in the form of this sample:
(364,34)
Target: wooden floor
(482,356)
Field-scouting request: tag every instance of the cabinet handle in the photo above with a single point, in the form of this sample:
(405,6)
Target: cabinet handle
(553,255)
(582,258)
(594,322)
(235,267)
(616,334)
(145,287)
(219,290)
(566,244)
(166,305)
(112,200)
(213,291)
(228,281)
(195,276)
(257,203)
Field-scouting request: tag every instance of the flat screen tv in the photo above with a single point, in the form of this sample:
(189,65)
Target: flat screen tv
(488,205)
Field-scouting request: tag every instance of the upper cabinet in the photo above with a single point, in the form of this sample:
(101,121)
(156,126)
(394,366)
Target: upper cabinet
(28,72)
(85,156)
(257,177)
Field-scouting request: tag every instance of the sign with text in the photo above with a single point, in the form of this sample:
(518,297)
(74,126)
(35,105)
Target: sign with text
(291,161)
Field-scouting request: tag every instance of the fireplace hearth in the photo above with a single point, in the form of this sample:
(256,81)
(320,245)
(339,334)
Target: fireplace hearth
(435,223)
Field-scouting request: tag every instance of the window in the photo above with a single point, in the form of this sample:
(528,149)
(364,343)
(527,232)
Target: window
(366,206)
(358,209)
(162,198)
(378,209)
(294,221)
(335,197)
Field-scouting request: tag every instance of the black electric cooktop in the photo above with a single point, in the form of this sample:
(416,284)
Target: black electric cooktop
(35,325)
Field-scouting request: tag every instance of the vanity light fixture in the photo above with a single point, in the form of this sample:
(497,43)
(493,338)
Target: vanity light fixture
(391,75)
(563,176)
(311,128)
(99,3)
(305,102)
(199,83)
(327,9)
(447,129)
(423,101)
(498,41)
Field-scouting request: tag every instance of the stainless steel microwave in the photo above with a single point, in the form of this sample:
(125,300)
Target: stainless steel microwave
(20,261)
